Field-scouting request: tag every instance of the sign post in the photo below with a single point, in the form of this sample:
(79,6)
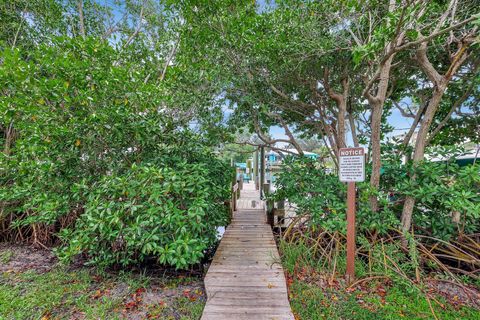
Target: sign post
(352,169)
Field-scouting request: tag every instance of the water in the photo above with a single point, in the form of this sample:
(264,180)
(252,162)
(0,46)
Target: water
(220,232)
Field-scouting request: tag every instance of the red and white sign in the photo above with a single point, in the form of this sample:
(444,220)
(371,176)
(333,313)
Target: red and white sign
(352,164)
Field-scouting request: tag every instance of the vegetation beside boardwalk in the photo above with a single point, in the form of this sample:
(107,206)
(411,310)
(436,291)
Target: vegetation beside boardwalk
(45,290)
(433,275)
(317,288)
(95,167)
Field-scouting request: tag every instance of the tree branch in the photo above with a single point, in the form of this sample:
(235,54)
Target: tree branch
(455,106)
(139,26)
(406,114)
(169,59)
(426,65)
(434,35)
(290,136)
(262,135)
(80,17)
(353,130)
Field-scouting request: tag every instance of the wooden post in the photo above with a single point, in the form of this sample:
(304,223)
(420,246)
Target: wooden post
(350,232)
(281,212)
(240,182)
(268,204)
(351,169)
(255,170)
(234,176)
(235,196)
(234,201)
(262,166)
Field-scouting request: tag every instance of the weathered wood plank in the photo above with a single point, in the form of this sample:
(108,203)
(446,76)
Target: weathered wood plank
(245,279)
(223,315)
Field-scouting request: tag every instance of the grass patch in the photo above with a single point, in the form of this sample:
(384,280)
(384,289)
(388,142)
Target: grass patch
(316,294)
(183,308)
(30,295)
(62,294)
(5,256)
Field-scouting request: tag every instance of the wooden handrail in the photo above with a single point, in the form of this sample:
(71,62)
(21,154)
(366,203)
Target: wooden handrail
(233,199)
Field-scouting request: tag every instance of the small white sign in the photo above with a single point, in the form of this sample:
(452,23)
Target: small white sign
(248,170)
(352,164)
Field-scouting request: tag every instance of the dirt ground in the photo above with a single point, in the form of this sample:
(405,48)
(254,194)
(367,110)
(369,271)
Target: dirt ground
(149,294)
(23,258)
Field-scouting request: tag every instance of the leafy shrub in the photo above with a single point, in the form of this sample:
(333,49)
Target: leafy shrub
(441,190)
(448,198)
(322,196)
(75,116)
(96,153)
(316,193)
(167,213)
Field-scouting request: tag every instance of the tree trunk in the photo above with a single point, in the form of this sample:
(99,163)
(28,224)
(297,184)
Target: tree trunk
(440,85)
(377,102)
(375,145)
(419,152)
(342,108)
(409,134)
(341,102)
(353,129)
(9,138)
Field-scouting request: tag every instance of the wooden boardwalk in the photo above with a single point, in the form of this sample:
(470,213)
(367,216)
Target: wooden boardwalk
(246,279)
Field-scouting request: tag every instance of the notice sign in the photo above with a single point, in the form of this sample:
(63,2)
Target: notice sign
(352,164)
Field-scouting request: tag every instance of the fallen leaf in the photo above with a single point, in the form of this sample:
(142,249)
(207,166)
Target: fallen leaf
(381,291)
(46,316)
(97,294)
(130,305)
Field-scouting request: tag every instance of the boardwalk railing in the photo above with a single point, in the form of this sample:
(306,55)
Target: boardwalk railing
(234,196)
(237,186)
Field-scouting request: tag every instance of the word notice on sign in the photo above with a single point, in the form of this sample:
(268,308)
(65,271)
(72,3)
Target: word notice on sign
(352,164)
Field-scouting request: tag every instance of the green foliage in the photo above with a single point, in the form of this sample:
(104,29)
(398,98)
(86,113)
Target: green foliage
(441,190)
(166,212)
(310,301)
(89,124)
(5,256)
(322,196)
(25,23)
(312,296)
(304,182)
(30,294)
